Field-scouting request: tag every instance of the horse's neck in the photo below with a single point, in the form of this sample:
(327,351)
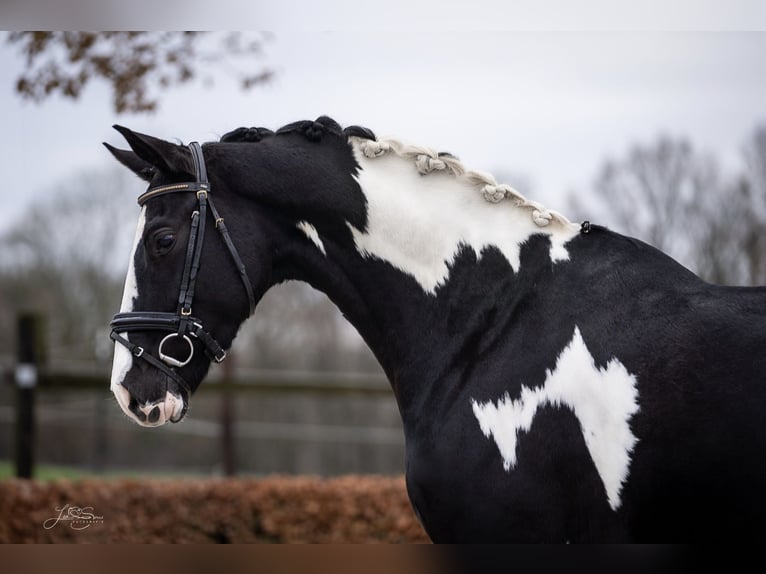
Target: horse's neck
(433,256)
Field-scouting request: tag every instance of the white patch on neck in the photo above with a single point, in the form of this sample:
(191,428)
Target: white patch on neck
(602,400)
(418,223)
(312,233)
(123,360)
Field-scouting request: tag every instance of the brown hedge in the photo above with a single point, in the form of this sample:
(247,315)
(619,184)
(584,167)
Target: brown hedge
(350,509)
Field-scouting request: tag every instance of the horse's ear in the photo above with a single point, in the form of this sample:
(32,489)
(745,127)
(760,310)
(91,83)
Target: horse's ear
(130,159)
(165,156)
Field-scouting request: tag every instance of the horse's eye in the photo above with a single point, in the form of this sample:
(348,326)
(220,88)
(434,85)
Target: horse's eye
(164,241)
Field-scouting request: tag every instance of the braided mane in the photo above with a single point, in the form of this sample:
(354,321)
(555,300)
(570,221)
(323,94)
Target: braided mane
(426,160)
(313,130)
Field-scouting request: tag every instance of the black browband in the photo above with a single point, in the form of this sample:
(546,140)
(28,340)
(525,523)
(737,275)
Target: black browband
(181,324)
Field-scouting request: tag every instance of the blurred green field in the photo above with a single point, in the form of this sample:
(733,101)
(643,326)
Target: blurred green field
(45,472)
(55,472)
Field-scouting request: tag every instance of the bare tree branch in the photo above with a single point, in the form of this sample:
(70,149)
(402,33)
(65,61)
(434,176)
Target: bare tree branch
(137,65)
(673,197)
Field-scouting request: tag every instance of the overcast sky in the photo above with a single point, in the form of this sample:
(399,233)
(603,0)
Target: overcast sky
(548,106)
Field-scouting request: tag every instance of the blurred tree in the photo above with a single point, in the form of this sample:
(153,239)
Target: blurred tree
(673,197)
(136,64)
(298,328)
(753,184)
(66,258)
(657,190)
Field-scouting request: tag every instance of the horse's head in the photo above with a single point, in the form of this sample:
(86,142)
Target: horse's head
(188,287)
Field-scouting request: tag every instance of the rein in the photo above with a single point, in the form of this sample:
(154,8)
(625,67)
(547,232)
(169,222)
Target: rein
(181,324)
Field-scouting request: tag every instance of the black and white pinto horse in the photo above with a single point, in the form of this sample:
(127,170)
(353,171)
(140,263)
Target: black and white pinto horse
(556,382)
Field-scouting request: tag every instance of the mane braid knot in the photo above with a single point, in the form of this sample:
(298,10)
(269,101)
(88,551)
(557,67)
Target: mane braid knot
(314,131)
(494,193)
(427,164)
(541,218)
(247,135)
(372,148)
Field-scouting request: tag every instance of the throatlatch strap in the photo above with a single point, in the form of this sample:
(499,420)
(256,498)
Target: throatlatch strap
(220,225)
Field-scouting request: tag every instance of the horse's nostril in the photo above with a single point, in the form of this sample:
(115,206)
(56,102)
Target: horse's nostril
(136,409)
(154,415)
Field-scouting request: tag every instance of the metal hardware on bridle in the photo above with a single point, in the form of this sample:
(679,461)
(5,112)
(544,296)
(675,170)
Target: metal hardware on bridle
(181,324)
(172,361)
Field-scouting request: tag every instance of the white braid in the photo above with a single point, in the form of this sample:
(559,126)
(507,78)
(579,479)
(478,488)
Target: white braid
(428,160)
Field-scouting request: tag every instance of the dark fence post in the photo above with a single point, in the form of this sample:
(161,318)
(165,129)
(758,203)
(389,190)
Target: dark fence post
(30,356)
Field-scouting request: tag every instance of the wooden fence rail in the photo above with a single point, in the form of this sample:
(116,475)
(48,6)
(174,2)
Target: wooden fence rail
(34,378)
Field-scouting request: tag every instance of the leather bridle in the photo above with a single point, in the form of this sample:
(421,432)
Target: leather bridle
(181,324)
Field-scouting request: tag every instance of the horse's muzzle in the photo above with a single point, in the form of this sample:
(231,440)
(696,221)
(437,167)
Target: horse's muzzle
(172,408)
